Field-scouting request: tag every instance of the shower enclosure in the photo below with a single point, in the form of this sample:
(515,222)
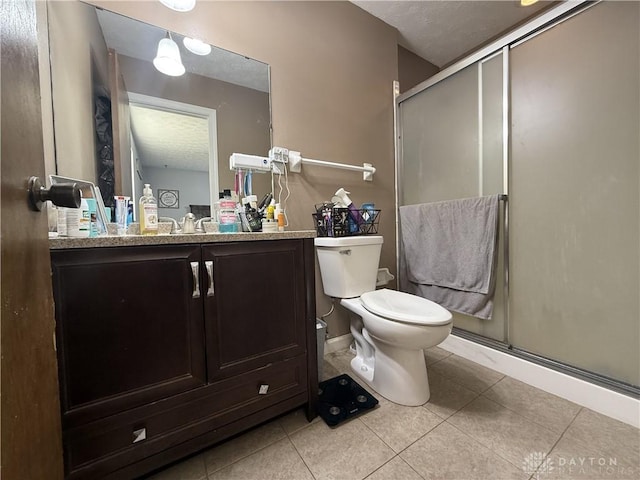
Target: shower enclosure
(550,116)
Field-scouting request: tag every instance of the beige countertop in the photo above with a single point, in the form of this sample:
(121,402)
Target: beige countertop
(134,240)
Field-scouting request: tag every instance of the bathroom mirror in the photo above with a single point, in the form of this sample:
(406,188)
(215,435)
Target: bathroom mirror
(176,133)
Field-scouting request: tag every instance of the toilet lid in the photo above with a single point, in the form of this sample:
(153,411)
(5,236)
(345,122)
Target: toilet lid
(405,307)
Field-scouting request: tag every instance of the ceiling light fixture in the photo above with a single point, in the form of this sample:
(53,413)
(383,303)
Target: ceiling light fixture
(527,3)
(196,46)
(168,59)
(179,5)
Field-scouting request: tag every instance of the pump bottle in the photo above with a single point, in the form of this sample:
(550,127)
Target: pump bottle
(148,212)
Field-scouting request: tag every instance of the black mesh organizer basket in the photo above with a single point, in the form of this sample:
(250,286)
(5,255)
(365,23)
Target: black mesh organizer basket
(342,222)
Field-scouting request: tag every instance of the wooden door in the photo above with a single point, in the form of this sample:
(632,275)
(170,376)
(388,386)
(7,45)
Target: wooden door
(31,437)
(254,305)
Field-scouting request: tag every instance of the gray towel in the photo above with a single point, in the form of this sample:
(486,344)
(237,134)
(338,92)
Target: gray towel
(449,252)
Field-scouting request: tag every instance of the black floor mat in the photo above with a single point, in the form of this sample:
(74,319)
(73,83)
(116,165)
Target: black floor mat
(341,398)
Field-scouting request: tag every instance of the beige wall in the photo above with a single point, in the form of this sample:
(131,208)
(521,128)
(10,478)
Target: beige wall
(242,114)
(74,47)
(413,69)
(332,68)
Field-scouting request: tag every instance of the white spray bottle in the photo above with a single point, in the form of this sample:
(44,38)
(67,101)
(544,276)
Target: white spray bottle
(356,218)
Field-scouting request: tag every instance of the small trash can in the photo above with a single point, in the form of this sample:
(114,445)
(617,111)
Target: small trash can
(321,331)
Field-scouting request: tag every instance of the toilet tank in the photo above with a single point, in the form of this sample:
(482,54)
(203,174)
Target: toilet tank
(348,265)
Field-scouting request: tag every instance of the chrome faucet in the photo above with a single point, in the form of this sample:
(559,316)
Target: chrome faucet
(199,222)
(189,223)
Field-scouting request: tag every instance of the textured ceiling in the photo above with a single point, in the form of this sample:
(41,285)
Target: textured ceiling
(442,31)
(169,139)
(140,40)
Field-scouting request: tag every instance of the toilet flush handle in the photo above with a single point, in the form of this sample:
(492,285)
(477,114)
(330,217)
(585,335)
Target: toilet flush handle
(345,252)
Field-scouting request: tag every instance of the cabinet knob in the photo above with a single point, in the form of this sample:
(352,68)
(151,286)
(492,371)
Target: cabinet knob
(263,389)
(139,435)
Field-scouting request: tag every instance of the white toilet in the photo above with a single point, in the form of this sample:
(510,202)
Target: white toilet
(391,329)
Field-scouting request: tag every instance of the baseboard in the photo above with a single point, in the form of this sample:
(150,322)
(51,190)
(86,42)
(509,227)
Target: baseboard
(341,342)
(597,398)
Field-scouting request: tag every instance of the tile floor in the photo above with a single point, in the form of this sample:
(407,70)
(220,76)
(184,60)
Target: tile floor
(478,424)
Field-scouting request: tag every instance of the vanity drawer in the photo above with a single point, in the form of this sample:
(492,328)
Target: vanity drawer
(108,444)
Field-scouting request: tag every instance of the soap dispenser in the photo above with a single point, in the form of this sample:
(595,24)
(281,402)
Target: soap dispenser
(148,212)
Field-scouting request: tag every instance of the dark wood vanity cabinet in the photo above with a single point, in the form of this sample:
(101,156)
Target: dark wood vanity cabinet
(164,350)
(252,320)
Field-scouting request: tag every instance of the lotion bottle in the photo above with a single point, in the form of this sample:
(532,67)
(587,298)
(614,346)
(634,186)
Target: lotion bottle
(279,217)
(148,212)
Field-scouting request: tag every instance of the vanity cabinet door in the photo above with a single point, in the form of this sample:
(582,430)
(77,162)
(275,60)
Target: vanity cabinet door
(129,327)
(254,300)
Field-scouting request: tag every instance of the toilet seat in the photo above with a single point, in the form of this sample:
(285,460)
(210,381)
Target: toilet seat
(404,307)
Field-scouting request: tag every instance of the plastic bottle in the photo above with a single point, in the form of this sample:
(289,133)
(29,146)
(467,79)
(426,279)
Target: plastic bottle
(79,221)
(355,219)
(148,212)
(227,214)
(279,217)
(93,216)
(62,221)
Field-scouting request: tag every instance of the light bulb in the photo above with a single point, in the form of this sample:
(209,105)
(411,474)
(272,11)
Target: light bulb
(196,46)
(179,5)
(526,3)
(168,59)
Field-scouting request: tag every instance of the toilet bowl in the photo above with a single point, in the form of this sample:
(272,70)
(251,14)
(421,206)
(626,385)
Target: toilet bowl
(391,329)
(390,351)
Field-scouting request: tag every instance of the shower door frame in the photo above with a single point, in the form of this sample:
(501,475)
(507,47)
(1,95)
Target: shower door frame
(553,17)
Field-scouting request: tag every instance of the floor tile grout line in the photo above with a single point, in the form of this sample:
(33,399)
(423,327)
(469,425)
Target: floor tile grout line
(548,455)
(423,435)
(461,407)
(526,418)
(519,467)
(298,451)
(409,465)
(480,394)
(246,456)
(573,419)
(379,437)
(365,478)
(390,460)
(453,379)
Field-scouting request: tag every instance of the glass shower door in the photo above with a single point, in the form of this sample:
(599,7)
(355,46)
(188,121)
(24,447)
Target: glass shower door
(575,192)
(452,147)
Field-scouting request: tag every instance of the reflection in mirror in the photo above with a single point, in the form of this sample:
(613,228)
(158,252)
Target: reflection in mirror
(120,123)
(174,144)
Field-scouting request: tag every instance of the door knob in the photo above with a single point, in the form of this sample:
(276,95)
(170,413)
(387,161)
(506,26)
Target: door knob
(60,194)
